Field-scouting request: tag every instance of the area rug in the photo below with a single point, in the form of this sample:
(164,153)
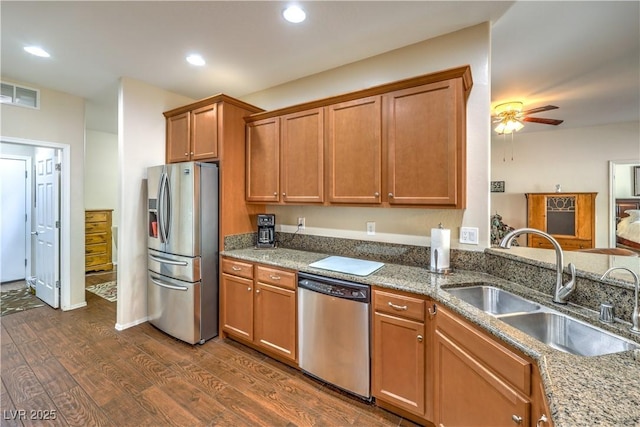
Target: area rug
(18,300)
(108,290)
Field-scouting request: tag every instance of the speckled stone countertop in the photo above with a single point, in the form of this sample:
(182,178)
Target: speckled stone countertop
(581,391)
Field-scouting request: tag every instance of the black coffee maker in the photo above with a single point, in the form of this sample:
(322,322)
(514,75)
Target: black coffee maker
(266,231)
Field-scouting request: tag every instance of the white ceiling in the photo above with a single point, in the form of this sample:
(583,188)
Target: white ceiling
(581,56)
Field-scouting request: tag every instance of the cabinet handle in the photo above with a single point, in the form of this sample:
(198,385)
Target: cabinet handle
(390,194)
(397,307)
(275,193)
(186,154)
(376,194)
(274,277)
(543,419)
(249,289)
(257,291)
(192,153)
(516,419)
(284,194)
(432,312)
(420,338)
(236,268)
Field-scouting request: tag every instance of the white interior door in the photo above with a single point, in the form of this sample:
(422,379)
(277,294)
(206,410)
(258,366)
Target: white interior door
(47,233)
(13,217)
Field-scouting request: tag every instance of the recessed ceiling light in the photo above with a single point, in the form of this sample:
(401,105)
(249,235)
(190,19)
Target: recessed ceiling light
(294,14)
(195,60)
(37,51)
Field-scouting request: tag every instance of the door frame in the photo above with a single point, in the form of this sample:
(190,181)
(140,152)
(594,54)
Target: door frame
(65,212)
(29,197)
(612,197)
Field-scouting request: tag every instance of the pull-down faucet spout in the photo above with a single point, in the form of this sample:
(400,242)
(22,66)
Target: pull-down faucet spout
(561,291)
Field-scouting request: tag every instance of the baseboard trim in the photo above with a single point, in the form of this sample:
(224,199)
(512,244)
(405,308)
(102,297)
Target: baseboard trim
(120,327)
(73,307)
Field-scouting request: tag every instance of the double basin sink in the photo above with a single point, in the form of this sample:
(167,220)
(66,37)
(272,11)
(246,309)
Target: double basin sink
(552,328)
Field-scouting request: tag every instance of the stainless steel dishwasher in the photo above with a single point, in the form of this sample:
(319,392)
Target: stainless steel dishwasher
(334,332)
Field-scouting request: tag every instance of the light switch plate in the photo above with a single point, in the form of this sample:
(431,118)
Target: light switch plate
(469,235)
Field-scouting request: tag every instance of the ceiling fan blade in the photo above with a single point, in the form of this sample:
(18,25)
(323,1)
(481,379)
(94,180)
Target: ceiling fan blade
(554,122)
(540,109)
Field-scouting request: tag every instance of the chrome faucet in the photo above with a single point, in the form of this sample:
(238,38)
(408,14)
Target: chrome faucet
(635,317)
(561,292)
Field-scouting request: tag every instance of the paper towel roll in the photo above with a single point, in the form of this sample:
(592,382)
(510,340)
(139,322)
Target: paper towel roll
(440,245)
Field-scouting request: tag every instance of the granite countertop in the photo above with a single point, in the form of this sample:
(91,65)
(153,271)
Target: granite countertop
(602,390)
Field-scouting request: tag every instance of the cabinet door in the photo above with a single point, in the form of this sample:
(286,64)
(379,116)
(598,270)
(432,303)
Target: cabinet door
(302,157)
(275,320)
(425,143)
(204,133)
(178,129)
(354,151)
(236,306)
(263,160)
(399,362)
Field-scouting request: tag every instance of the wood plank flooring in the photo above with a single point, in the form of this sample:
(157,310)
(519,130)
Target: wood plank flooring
(75,369)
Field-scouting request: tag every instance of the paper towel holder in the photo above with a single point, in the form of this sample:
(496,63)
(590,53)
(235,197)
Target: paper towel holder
(435,269)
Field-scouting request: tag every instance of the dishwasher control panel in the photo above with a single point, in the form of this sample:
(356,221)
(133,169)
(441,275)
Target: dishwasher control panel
(335,287)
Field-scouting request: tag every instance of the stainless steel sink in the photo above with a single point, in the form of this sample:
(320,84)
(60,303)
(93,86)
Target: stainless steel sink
(494,300)
(569,335)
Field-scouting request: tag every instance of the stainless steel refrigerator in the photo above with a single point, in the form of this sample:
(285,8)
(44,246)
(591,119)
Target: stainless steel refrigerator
(182,219)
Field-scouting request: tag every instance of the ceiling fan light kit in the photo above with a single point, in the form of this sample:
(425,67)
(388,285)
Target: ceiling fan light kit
(509,117)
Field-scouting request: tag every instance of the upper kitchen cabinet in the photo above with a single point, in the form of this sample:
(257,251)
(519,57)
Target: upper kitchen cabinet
(192,135)
(263,160)
(426,145)
(285,158)
(398,144)
(354,151)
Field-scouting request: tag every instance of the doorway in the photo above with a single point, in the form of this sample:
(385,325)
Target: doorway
(620,187)
(10,146)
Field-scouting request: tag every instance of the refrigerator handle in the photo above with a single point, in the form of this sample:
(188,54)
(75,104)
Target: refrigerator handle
(167,261)
(166,214)
(168,286)
(162,213)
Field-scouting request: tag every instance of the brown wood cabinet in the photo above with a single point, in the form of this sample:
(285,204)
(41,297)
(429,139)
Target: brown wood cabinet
(401,345)
(568,217)
(258,306)
(398,144)
(193,135)
(426,145)
(285,158)
(478,382)
(97,239)
(354,151)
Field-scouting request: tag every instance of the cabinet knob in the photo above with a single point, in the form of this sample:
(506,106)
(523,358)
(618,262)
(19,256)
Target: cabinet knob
(249,289)
(390,194)
(186,154)
(376,194)
(257,291)
(192,153)
(542,419)
(420,338)
(516,419)
(284,194)
(275,193)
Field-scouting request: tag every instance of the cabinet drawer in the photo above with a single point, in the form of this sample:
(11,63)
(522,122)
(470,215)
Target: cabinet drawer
(273,276)
(507,364)
(96,216)
(91,260)
(399,305)
(92,239)
(95,227)
(237,268)
(100,248)
(566,243)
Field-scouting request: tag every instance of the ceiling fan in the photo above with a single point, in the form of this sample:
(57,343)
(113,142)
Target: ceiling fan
(509,117)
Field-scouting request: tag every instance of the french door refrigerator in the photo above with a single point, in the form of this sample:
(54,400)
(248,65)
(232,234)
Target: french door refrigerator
(182,217)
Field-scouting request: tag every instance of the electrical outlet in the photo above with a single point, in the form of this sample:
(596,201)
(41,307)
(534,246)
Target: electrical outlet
(469,235)
(301,223)
(371,228)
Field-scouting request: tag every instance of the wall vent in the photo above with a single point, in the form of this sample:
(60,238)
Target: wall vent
(20,96)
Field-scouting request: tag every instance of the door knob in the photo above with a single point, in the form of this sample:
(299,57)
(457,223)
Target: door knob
(34,233)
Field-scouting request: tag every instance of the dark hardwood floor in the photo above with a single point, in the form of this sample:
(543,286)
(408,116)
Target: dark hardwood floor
(76,369)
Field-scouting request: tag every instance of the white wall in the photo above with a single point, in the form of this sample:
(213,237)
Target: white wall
(577,159)
(141,143)
(469,46)
(101,174)
(59,120)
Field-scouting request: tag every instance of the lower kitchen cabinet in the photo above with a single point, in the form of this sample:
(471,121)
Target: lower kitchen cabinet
(400,347)
(478,382)
(260,309)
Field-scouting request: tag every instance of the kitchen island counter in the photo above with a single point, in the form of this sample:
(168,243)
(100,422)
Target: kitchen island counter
(603,390)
